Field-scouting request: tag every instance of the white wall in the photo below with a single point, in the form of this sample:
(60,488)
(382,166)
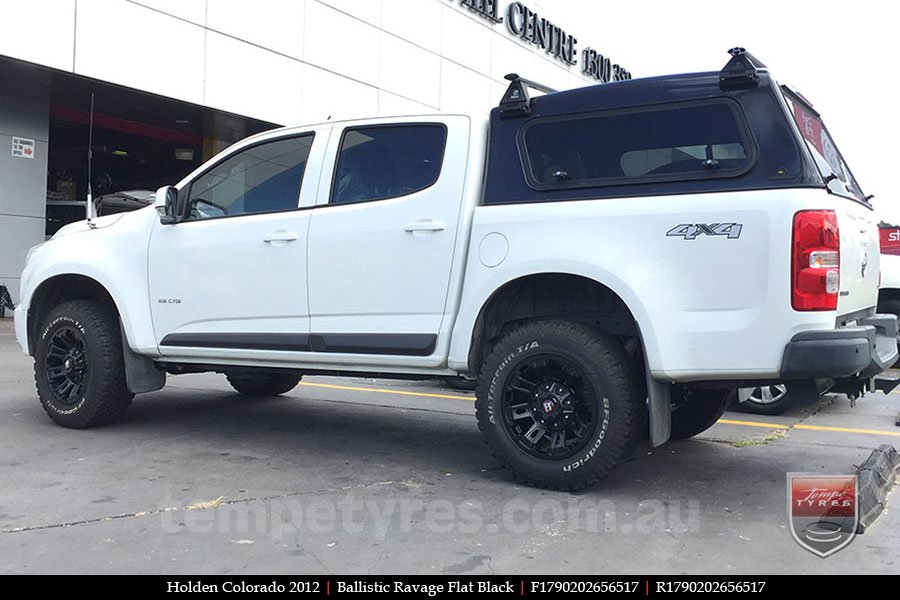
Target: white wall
(288,61)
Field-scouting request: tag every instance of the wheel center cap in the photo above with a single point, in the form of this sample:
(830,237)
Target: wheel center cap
(67,365)
(548,407)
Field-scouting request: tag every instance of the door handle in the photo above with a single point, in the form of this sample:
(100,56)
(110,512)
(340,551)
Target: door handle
(280,237)
(425,225)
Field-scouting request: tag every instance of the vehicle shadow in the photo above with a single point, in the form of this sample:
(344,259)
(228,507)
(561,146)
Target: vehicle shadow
(355,442)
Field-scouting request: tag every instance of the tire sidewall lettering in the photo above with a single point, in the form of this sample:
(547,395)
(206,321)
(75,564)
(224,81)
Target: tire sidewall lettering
(494,394)
(494,387)
(63,318)
(604,426)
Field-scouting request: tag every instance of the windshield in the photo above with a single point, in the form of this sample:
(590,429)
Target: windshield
(828,158)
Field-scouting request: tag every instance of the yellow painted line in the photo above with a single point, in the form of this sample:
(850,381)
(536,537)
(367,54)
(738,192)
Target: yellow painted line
(809,427)
(847,430)
(385,391)
(760,424)
(754,424)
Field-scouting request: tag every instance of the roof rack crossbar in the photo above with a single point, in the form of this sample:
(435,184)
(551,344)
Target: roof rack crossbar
(740,71)
(516,102)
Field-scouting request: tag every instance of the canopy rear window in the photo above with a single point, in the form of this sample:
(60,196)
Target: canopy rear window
(830,162)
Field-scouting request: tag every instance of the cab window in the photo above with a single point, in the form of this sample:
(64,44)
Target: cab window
(263,178)
(382,162)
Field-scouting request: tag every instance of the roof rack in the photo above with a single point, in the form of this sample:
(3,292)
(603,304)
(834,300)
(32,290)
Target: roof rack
(516,102)
(740,72)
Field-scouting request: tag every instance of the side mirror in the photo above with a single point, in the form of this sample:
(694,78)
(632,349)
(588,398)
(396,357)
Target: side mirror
(166,205)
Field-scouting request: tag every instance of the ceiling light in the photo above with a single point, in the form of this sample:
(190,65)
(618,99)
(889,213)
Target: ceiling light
(184,154)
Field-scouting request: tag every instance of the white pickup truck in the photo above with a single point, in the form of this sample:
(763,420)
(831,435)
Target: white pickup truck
(608,262)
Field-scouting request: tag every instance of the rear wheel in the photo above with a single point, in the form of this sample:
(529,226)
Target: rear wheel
(462,384)
(560,404)
(695,411)
(262,384)
(79,369)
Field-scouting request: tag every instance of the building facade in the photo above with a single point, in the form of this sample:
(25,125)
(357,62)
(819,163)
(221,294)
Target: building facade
(175,81)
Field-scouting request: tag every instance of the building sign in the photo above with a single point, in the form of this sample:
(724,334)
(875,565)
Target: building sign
(534,29)
(538,31)
(22,147)
(890,240)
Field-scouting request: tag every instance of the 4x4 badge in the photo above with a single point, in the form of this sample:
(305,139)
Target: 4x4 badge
(690,231)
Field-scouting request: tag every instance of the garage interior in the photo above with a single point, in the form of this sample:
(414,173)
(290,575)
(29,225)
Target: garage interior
(141,141)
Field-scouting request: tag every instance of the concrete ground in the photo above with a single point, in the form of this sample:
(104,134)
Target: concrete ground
(365,476)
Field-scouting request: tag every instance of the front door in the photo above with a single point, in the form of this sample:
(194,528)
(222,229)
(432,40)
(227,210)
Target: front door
(229,280)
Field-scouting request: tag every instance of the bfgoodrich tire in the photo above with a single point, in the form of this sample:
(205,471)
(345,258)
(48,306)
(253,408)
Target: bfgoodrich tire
(560,404)
(262,384)
(79,370)
(695,411)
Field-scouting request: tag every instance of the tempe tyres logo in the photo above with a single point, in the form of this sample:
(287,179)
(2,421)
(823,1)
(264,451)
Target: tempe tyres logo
(823,511)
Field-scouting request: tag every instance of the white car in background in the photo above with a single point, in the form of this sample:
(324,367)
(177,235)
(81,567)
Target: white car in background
(62,212)
(777,398)
(889,288)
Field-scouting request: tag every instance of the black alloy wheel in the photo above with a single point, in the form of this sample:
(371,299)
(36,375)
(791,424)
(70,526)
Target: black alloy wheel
(79,367)
(549,407)
(560,404)
(66,365)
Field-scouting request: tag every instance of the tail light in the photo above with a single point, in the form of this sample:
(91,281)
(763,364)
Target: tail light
(815,261)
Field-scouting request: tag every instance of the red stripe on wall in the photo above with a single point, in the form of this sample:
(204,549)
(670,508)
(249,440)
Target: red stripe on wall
(72,115)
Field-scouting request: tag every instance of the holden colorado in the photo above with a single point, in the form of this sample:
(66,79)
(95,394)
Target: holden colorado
(609,263)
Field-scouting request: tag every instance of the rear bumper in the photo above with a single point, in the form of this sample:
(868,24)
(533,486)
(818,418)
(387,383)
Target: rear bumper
(859,352)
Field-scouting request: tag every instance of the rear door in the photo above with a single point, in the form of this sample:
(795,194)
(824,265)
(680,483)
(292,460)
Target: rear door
(856,219)
(382,238)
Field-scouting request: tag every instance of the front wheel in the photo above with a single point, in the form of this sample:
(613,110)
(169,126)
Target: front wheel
(262,384)
(79,369)
(560,404)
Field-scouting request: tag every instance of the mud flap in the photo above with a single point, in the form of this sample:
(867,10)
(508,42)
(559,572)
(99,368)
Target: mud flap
(141,374)
(660,408)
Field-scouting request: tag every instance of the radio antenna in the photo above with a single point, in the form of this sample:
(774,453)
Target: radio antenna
(90,199)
